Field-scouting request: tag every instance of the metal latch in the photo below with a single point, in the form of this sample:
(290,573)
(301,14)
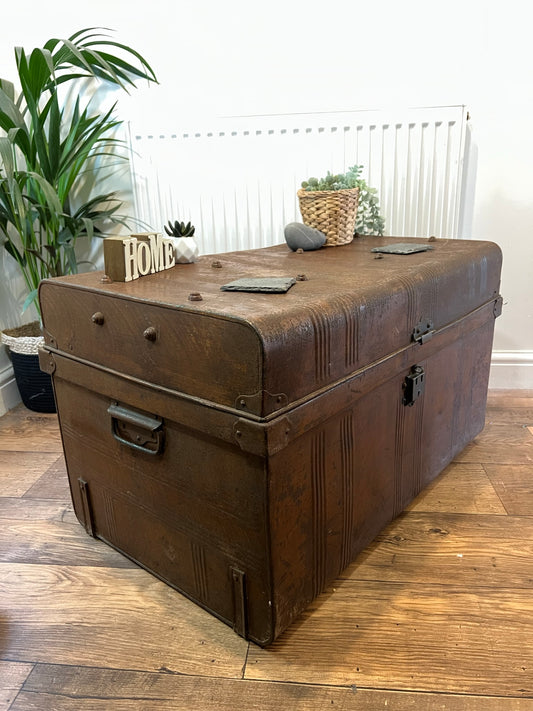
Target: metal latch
(423,331)
(413,385)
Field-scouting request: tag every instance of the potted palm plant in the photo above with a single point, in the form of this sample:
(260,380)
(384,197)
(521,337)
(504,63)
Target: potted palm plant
(50,149)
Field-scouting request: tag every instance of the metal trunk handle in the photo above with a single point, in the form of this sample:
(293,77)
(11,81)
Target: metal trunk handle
(144,433)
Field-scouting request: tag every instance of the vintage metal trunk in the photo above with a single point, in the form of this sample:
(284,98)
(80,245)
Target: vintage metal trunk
(245,447)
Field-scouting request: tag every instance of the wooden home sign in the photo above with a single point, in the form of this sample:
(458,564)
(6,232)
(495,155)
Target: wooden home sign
(128,258)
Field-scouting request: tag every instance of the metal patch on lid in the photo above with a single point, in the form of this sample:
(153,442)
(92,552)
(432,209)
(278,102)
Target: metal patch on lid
(269,285)
(402,248)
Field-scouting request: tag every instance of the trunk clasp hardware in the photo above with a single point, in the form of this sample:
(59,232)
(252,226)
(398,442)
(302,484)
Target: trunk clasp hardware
(413,385)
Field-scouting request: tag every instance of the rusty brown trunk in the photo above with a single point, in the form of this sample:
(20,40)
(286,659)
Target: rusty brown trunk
(245,447)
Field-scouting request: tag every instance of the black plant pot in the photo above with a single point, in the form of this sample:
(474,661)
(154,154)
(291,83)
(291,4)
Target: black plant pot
(35,387)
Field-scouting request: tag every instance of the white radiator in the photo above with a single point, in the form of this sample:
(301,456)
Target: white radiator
(237,181)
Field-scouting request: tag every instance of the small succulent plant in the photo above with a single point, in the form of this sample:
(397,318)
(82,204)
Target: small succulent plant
(343,181)
(179,229)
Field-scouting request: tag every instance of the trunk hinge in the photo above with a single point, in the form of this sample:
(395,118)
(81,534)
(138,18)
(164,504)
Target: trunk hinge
(498,306)
(423,332)
(46,361)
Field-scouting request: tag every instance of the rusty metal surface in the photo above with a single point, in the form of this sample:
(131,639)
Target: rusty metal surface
(246,447)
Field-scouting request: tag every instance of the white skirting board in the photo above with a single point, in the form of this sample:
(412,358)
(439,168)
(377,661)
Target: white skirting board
(9,394)
(511,370)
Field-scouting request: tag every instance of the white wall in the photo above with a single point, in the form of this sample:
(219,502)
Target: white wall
(238,57)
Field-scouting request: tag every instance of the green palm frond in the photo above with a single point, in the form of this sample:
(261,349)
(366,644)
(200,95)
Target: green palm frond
(49,151)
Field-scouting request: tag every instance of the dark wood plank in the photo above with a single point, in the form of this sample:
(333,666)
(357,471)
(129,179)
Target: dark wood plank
(19,473)
(509,399)
(500,443)
(21,509)
(22,430)
(461,488)
(419,637)
(519,416)
(120,618)
(450,549)
(12,676)
(81,689)
(55,543)
(514,485)
(53,484)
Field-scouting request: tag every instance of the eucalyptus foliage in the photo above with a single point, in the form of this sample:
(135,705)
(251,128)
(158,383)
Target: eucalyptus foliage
(369,220)
(49,151)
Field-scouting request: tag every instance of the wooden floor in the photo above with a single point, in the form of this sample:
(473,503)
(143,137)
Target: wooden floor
(436,614)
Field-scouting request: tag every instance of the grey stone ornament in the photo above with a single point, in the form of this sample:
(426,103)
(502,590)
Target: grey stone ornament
(300,236)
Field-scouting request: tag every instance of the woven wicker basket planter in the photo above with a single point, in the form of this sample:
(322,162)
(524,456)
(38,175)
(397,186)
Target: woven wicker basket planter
(333,212)
(35,387)
(23,339)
